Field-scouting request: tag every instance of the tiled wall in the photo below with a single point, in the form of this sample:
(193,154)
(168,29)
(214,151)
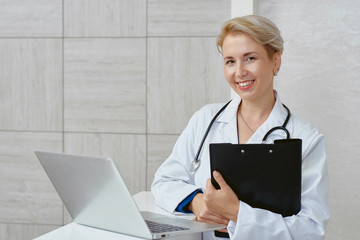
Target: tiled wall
(118,78)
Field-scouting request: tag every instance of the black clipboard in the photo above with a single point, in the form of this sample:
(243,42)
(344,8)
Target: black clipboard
(266,176)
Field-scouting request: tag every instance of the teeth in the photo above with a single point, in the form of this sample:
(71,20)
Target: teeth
(243,84)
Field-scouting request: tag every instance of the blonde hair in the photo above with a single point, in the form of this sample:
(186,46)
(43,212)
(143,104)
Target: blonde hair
(261,29)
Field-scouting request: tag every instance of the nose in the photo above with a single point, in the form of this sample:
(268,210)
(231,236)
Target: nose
(241,70)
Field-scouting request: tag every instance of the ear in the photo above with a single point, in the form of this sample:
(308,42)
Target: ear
(277,62)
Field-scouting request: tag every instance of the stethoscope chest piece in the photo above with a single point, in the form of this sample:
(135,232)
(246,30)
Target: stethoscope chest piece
(194,165)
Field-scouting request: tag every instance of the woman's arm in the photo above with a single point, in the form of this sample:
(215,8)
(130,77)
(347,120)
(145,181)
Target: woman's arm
(173,181)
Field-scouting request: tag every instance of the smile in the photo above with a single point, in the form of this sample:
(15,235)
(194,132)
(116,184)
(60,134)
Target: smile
(247,83)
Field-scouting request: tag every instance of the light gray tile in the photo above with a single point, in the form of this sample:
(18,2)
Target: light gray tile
(31,84)
(183,75)
(159,149)
(127,151)
(27,195)
(105,85)
(187,17)
(114,18)
(35,18)
(24,231)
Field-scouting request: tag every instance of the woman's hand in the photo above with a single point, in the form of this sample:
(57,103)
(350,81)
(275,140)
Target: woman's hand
(223,201)
(203,214)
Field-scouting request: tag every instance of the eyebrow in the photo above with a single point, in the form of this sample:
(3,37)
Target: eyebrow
(244,55)
(249,53)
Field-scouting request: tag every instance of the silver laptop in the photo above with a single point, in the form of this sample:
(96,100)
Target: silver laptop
(95,195)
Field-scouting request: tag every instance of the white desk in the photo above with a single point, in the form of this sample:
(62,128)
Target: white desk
(74,231)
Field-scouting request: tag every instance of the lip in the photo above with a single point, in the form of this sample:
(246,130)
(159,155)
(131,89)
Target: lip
(246,84)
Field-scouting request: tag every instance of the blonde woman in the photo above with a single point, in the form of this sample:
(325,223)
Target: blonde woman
(251,47)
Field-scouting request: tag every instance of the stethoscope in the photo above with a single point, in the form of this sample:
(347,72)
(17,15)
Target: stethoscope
(197,161)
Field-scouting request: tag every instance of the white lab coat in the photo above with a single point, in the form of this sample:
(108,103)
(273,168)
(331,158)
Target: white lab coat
(173,182)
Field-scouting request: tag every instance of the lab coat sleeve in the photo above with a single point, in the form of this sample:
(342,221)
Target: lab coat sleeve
(309,223)
(173,181)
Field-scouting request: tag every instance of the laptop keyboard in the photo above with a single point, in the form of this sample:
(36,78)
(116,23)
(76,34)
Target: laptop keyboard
(162,227)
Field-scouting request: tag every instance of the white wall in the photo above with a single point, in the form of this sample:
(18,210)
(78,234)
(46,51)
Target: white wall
(320,81)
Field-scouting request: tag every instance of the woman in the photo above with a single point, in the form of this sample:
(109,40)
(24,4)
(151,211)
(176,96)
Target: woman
(251,47)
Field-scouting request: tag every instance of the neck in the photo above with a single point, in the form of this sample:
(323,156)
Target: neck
(257,111)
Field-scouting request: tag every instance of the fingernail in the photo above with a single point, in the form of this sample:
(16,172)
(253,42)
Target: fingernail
(216,173)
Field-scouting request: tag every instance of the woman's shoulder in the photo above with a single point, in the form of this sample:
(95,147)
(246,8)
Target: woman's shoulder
(303,127)
(304,130)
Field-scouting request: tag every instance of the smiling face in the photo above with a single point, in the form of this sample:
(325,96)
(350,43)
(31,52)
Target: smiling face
(248,68)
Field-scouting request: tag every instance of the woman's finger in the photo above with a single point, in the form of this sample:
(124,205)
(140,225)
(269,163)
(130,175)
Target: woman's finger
(212,218)
(223,230)
(220,180)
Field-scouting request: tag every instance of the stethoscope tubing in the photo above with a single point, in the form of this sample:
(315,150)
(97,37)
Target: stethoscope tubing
(196,162)
(283,127)
(208,129)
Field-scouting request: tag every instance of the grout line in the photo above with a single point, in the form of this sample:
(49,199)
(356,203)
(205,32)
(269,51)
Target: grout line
(28,131)
(184,36)
(31,224)
(164,134)
(79,132)
(109,133)
(31,37)
(63,81)
(146,101)
(107,37)
(63,95)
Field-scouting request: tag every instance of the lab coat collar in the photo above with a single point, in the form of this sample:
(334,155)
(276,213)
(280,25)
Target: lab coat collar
(230,111)
(276,118)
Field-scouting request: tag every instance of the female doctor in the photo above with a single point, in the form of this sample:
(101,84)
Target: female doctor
(251,47)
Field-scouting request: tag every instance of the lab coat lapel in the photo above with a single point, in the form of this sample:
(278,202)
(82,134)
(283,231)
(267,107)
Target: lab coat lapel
(228,121)
(230,132)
